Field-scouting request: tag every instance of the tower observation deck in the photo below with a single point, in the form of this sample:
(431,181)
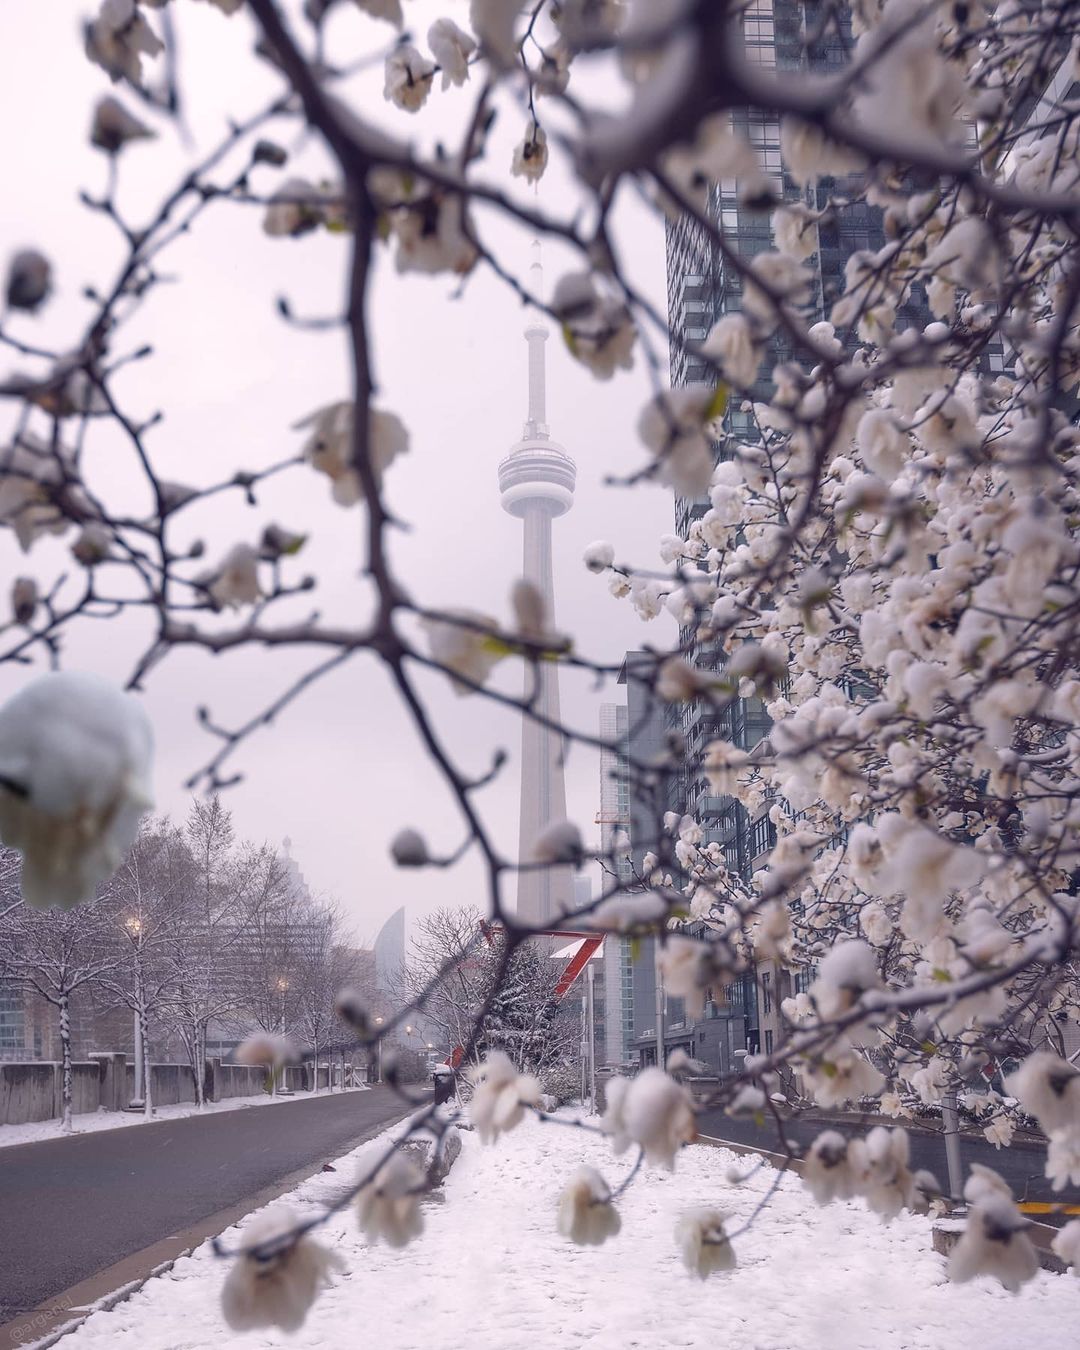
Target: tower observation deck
(536,480)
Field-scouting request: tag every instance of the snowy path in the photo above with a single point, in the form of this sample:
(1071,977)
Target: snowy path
(490,1273)
(92,1121)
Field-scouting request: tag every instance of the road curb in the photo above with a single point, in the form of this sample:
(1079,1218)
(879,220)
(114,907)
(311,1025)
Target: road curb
(65,1312)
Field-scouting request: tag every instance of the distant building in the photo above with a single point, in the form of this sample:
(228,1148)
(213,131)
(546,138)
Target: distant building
(614,818)
(390,950)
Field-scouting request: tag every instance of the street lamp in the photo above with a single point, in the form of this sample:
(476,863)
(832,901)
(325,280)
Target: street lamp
(378,1022)
(133,926)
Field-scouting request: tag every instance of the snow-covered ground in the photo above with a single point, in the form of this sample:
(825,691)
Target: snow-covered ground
(116,1120)
(491,1273)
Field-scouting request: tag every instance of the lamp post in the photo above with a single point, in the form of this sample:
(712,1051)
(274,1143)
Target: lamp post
(282,987)
(133,926)
(378,1050)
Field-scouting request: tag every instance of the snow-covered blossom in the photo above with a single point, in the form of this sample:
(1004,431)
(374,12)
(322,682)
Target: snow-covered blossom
(722,764)
(999,1132)
(37,495)
(1048,1088)
(795,232)
(1066,1245)
(651,1110)
(275,1279)
(264,1050)
(809,154)
(731,345)
(329,448)
(703,1244)
(500,1095)
(75,757)
(294,209)
(493,22)
(388,1205)
(119,38)
(586,1213)
(114,127)
(409,849)
(994,1241)
(236,581)
(92,545)
(884,447)
(599,556)
(918,863)
(826,1170)
(531,155)
(24,599)
(390,10)
(690,967)
(597,328)
(451,47)
(467,648)
(558,842)
(29,280)
(431,236)
(678,682)
(408,78)
(1063,1158)
(624,913)
(531,617)
(674,426)
(875,923)
(843,1075)
(848,970)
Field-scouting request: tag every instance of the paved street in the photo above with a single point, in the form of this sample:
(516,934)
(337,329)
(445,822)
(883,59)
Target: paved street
(1022,1166)
(71,1207)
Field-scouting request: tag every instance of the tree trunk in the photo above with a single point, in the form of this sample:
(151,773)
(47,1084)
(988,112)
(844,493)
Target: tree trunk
(148,1092)
(65,1050)
(199,1066)
(315,1075)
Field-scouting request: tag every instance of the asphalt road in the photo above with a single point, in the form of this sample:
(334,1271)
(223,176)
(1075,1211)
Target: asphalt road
(72,1207)
(1022,1165)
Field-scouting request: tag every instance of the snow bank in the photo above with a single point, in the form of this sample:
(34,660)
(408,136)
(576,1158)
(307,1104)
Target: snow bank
(491,1273)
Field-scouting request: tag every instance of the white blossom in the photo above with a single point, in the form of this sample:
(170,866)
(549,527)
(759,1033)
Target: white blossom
(92,545)
(703,1244)
(689,968)
(75,757)
(531,155)
(451,47)
(236,581)
(500,1095)
(114,127)
(674,427)
(408,78)
(597,328)
(388,1205)
(467,648)
(826,1170)
(586,1213)
(265,1050)
(1066,1245)
(599,556)
(24,599)
(493,22)
(558,842)
(731,345)
(409,849)
(278,1285)
(1063,1158)
(1048,1088)
(35,493)
(119,38)
(994,1241)
(294,209)
(329,448)
(651,1110)
(29,280)
(809,154)
(431,236)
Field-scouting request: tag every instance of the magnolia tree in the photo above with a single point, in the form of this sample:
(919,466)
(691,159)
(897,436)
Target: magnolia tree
(888,555)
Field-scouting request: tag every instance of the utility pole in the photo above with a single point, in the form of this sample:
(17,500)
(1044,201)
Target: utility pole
(661,1030)
(591,1015)
(950,1121)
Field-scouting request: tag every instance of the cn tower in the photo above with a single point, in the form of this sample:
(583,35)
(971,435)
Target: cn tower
(536,480)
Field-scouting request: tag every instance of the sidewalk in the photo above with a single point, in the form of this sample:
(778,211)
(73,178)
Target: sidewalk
(490,1271)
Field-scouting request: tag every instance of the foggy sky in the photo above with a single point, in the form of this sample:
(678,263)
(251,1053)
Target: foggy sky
(341,770)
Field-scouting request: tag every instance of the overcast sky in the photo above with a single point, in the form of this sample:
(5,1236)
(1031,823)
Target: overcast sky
(342,770)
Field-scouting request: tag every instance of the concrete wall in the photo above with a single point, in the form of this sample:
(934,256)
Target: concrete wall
(28,1092)
(31,1092)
